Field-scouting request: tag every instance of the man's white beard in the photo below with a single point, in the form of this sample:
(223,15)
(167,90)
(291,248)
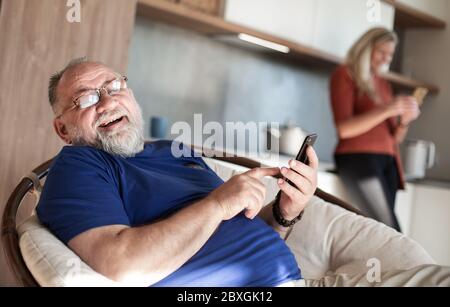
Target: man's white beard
(127,142)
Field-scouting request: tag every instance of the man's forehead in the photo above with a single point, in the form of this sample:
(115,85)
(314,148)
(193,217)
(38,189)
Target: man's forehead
(84,75)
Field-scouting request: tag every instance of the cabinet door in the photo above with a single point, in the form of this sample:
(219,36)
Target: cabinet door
(404,208)
(340,23)
(431,221)
(289,19)
(436,8)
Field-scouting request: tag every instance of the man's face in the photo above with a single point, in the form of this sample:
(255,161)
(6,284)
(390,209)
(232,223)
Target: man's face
(114,124)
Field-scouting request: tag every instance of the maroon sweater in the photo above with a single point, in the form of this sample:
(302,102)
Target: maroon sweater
(347,103)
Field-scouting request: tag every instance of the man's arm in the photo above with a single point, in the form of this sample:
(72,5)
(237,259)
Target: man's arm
(145,255)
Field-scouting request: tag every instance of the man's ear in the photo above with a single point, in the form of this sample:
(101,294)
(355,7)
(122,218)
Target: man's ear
(61,130)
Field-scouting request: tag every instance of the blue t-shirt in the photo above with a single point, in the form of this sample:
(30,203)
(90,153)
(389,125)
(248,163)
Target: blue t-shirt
(88,188)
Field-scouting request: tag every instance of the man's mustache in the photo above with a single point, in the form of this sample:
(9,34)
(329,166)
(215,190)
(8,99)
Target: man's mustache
(111,115)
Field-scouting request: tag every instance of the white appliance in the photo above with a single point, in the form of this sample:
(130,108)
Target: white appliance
(419,156)
(285,140)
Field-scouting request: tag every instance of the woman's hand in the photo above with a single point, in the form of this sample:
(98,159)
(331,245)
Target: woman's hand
(304,178)
(411,113)
(403,105)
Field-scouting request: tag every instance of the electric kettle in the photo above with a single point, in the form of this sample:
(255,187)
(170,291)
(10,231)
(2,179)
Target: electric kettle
(419,156)
(289,139)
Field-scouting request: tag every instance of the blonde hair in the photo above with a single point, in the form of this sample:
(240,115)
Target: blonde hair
(359,58)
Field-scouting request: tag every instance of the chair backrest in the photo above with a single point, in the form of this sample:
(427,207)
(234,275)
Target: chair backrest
(10,237)
(32,184)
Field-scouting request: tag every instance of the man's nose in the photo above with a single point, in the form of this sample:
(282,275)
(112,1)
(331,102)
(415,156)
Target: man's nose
(106,103)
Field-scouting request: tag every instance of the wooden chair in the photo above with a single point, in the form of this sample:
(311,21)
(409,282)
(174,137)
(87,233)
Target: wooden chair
(32,184)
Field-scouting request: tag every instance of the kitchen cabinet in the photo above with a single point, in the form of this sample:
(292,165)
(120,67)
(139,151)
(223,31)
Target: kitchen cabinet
(435,8)
(335,30)
(430,221)
(293,20)
(312,22)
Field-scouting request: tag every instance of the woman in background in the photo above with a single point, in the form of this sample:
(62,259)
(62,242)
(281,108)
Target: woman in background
(371,123)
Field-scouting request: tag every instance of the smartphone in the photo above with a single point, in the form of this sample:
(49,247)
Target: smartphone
(310,140)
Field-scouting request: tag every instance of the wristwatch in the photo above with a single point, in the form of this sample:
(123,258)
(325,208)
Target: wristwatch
(279,217)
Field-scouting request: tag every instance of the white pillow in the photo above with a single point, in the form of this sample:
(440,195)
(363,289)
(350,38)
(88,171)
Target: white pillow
(52,263)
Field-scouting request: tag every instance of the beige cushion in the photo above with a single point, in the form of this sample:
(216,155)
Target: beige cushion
(331,240)
(54,264)
(51,262)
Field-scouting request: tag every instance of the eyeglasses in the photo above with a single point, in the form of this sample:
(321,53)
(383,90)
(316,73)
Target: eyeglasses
(93,97)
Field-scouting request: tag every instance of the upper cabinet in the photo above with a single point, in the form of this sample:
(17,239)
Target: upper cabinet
(335,30)
(293,20)
(322,24)
(435,8)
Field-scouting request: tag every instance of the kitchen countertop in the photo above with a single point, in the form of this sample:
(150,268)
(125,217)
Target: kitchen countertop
(272,160)
(329,167)
(430,182)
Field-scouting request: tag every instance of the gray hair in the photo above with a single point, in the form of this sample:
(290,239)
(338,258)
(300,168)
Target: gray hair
(56,77)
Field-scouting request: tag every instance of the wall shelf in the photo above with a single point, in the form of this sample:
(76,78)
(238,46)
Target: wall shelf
(407,17)
(181,16)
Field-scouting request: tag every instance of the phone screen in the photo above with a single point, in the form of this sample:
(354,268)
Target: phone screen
(309,141)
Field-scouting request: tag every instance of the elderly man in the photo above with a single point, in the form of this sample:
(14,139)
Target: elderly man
(137,214)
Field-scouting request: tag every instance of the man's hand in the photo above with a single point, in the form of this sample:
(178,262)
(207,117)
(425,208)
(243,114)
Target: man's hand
(304,178)
(243,192)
